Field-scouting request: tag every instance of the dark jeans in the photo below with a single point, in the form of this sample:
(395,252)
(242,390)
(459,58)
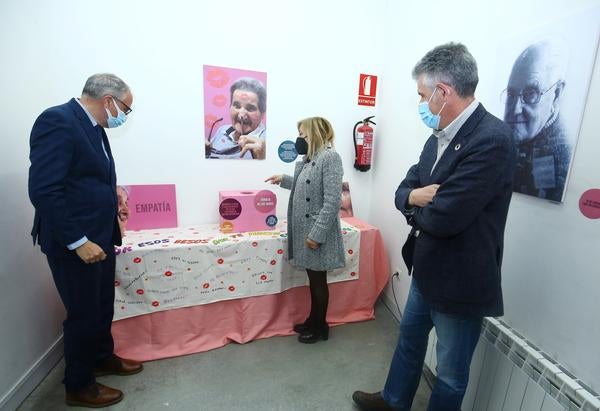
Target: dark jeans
(457,338)
(87,292)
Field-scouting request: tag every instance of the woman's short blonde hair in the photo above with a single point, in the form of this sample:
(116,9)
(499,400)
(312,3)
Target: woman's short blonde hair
(319,134)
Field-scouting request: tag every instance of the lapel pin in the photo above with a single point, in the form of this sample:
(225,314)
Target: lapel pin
(457,147)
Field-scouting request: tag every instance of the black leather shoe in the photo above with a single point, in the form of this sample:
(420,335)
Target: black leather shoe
(370,402)
(312,335)
(302,328)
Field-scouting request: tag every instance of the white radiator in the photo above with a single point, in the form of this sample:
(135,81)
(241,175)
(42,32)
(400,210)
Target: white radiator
(509,373)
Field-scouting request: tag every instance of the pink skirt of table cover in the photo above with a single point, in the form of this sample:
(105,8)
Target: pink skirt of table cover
(205,327)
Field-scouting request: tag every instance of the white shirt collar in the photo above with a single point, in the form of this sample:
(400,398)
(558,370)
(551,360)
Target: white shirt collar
(92,119)
(451,129)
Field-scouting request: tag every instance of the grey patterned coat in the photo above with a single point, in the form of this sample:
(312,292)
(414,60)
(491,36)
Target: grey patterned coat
(315,199)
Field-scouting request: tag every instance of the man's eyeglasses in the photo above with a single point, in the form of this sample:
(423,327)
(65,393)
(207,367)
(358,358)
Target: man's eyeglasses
(127,108)
(530,95)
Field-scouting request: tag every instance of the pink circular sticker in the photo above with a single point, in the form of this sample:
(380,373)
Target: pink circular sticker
(230,209)
(589,203)
(265,201)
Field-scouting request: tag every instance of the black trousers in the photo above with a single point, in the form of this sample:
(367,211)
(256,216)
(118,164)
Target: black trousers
(88,293)
(319,298)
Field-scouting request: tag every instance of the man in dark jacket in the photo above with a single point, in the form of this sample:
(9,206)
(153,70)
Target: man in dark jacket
(456,199)
(72,185)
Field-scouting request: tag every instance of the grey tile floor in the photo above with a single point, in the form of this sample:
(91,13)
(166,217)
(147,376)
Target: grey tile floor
(270,374)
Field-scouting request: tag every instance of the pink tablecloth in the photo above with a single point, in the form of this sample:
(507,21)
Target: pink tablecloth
(205,327)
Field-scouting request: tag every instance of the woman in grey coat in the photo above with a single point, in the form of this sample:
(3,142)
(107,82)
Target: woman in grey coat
(314,232)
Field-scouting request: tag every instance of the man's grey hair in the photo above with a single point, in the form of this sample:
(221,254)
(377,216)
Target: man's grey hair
(253,85)
(450,64)
(102,84)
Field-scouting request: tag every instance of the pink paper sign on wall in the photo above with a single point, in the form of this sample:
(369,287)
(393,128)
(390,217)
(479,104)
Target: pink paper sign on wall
(147,206)
(589,203)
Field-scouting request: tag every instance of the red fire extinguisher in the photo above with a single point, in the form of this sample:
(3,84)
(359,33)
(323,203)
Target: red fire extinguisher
(363,144)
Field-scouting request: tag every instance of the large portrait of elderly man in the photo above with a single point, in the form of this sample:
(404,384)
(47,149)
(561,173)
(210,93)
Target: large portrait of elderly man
(532,108)
(543,76)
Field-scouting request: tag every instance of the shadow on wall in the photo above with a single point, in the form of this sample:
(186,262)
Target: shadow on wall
(30,309)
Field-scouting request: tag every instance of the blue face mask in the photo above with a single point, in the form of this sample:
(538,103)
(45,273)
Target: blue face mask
(113,122)
(431,120)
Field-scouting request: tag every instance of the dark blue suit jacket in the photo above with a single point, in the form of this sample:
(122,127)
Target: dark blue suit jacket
(458,238)
(72,184)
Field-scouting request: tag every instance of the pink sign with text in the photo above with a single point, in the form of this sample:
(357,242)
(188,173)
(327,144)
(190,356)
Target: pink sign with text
(589,203)
(251,210)
(147,206)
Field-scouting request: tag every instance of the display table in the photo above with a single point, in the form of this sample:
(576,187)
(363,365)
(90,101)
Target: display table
(198,328)
(164,269)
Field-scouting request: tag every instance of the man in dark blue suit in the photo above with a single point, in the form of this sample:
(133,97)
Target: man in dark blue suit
(456,199)
(72,185)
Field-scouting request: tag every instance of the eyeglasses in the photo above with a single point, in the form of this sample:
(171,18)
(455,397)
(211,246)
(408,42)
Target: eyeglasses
(530,95)
(127,108)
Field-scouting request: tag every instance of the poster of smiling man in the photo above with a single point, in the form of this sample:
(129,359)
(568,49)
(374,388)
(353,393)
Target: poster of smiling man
(235,109)
(546,79)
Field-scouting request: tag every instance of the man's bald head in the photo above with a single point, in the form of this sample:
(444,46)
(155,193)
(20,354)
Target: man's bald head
(534,88)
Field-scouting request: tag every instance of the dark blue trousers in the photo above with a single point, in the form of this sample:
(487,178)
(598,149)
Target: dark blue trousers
(87,292)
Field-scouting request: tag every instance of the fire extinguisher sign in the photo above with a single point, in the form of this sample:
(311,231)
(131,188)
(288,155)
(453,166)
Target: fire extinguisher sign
(367,90)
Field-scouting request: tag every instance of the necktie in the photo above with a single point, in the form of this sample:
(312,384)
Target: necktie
(100,133)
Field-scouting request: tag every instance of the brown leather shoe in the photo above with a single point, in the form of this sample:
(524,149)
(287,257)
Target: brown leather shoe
(118,366)
(370,402)
(94,396)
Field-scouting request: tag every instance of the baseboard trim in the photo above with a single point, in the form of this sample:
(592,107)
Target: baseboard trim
(33,377)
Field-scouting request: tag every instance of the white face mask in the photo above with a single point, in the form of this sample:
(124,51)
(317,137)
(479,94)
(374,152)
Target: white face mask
(113,122)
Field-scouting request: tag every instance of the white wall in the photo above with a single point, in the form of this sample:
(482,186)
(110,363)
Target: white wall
(308,55)
(550,272)
(313,52)
(30,311)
